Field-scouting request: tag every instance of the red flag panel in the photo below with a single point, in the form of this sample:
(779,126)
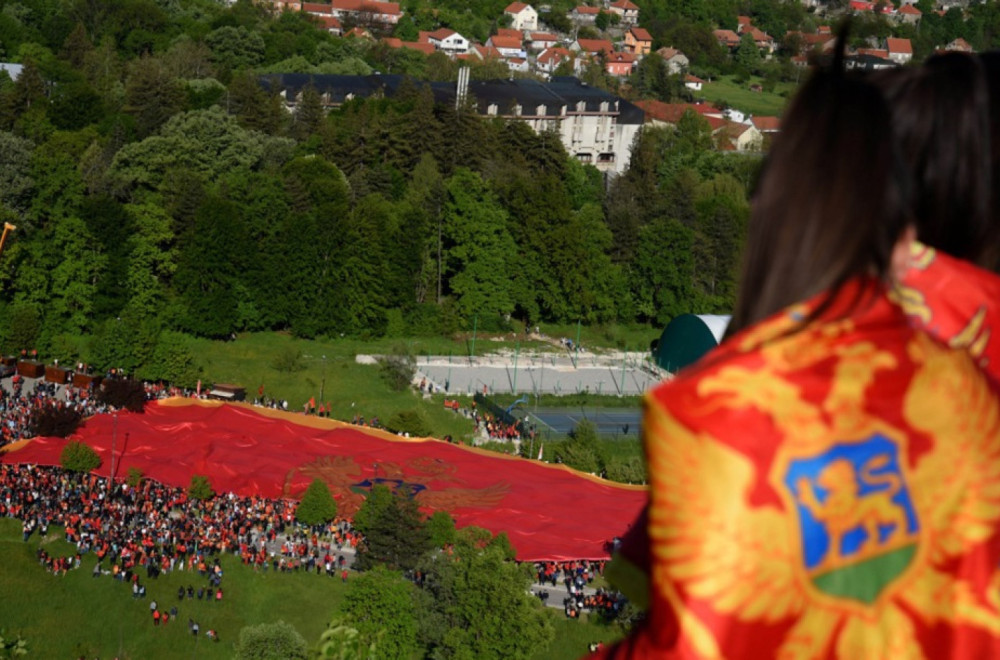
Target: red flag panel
(548,511)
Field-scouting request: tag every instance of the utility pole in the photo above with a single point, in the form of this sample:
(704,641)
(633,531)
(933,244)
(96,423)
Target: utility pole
(322,386)
(114,438)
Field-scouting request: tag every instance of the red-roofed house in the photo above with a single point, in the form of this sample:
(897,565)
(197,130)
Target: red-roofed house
(909,14)
(507,46)
(620,64)
(367,11)
(423,47)
(727,38)
(858,6)
(584,14)
(900,50)
(675,60)
(359,33)
(958,45)
(638,41)
(331,24)
(763,40)
(509,32)
(874,52)
(287,5)
(629,11)
(446,40)
(551,58)
(767,124)
(522,16)
(693,82)
(743,23)
(659,113)
(541,40)
(592,46)
(738,137)
(317,8)
(482,53)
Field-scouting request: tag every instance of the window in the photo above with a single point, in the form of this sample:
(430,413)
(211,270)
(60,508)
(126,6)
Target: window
(584,158)
(606,157)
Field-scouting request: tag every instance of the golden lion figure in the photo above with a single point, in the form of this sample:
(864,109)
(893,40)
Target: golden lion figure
(845,510)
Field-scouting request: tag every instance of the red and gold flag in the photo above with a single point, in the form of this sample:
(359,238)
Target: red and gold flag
(955,301)
(830,492)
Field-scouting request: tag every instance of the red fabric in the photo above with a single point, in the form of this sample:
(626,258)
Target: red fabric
(549,512)
(956,302)
(829,493)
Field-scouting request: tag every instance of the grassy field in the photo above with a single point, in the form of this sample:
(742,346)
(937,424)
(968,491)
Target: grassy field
(726,89)
(81,616)
(253,360)
(298,369)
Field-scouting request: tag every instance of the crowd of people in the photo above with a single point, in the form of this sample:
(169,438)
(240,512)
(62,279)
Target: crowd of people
(157,529)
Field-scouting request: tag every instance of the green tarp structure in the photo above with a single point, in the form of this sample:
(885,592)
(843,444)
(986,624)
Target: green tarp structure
(687,338)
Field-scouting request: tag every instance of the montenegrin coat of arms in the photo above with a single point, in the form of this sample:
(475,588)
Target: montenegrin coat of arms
(343,475)
(850,515)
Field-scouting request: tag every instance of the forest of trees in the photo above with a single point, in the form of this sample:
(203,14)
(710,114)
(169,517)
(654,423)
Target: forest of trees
(160,193)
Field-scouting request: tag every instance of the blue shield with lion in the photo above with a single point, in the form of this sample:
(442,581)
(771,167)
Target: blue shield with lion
(857,522)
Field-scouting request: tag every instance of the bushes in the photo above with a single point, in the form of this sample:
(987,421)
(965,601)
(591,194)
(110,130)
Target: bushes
(200,488)
(317,505)
(409,421)
(398,369)
(79,457)
(53,421)
(123,393)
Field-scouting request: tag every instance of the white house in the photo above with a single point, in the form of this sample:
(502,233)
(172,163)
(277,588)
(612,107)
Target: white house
(675,60)
(693,82)
(900,50)
(447,41)
(508,47)
(523,17)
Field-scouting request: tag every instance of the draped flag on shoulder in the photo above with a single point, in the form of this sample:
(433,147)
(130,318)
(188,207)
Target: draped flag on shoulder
(954,301)
(828,493)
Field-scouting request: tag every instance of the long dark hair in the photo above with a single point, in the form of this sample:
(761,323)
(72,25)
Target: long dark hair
(830,202)
(940,117)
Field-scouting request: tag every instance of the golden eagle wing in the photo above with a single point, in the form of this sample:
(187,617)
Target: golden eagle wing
(956,484)
(705,537)
(451,498)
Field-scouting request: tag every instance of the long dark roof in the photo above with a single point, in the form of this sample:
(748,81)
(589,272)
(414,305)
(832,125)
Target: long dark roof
(553,95)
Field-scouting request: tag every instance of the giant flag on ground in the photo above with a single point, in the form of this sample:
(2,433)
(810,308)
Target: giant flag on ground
(547,511)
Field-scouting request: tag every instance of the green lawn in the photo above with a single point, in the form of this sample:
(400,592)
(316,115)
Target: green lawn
(737,95)
(349,387)
(76,615)
(251,360)
(81,616)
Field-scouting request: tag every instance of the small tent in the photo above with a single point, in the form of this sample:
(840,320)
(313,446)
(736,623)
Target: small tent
(687,338)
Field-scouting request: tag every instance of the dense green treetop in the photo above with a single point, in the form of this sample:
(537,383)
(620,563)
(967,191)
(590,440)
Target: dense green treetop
(161,192)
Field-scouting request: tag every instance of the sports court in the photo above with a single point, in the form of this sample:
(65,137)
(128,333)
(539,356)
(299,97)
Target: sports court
(610,422)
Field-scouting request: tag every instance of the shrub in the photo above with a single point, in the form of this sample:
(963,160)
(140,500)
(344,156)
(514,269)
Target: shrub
(317,505)
(582,450)
(398,370)
(200,488)
(79,457)
(55,422)
(123,393)
(289,360)
(134,477)
(271,641)
(409,421)
(441,528)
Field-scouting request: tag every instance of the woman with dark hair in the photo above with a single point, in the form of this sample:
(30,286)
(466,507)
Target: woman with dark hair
(946,118)
(826,484)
